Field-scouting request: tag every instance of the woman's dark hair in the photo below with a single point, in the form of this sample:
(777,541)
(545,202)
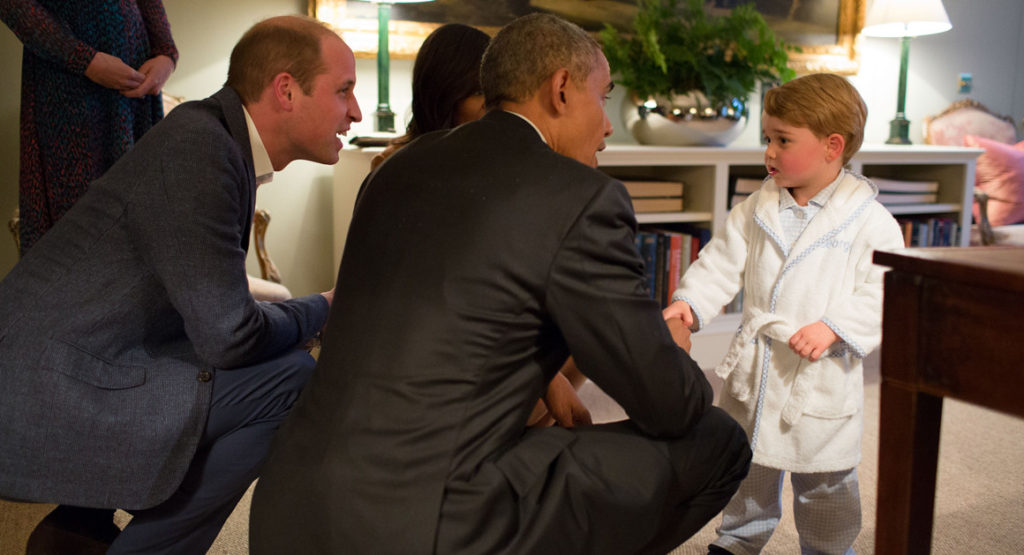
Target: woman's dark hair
(446,71)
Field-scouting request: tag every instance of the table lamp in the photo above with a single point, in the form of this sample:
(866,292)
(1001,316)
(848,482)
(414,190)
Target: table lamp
(904,19)
(384,118)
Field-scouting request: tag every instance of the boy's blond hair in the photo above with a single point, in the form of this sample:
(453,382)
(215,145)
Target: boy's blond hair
(825,104)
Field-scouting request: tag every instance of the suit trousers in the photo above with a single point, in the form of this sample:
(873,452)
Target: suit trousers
(603,489)
(247,407)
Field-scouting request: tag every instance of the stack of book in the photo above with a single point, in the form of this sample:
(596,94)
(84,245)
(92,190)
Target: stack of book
(893,192)
(930,232)
(667,253)
(655,196)
(742,188)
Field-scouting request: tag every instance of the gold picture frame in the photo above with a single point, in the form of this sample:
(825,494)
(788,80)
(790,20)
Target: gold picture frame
(843,57)
(357,22)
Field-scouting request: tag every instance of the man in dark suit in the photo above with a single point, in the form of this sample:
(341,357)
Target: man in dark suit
(137,370)
(477,260)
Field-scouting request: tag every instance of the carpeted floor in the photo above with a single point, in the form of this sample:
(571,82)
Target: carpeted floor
(979,501)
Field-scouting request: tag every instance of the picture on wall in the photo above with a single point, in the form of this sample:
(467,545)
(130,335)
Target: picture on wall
(825,30)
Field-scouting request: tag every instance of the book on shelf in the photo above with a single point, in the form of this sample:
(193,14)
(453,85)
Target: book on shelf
(700,237)
(930,232)
(666,253)
(671,268)
(654,188)
(897,199)
(667,204)
(655,196)
(675,265)
(747,185)
(886,185)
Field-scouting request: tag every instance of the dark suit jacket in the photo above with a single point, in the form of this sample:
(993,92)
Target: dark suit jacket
(114,325)
(476,260)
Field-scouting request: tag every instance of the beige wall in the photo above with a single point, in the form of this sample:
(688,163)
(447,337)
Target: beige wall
(299,198)
(10,95)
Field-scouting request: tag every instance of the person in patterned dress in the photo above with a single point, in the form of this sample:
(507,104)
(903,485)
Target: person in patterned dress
(92,71)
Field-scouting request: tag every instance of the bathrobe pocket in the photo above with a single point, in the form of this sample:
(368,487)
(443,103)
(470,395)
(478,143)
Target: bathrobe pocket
(837,389)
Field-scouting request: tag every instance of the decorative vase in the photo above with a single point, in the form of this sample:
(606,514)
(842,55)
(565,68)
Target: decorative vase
(683,120)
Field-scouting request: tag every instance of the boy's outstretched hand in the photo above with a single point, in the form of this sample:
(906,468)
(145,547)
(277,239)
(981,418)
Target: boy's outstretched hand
(680,310)
(811,340)
(679,319)
(680,333)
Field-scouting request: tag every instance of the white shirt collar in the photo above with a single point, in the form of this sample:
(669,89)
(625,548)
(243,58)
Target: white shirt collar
(260,159)
(787,201)
(527,120)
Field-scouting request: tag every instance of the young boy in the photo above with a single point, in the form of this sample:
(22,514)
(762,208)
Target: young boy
(800,248)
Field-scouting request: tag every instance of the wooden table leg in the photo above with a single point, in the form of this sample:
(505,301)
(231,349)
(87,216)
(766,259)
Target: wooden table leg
(908,450)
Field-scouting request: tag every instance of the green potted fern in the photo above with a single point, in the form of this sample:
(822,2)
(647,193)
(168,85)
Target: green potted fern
(690,74)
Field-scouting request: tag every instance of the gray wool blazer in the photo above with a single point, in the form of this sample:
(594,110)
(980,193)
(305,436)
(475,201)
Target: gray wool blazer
(114,326)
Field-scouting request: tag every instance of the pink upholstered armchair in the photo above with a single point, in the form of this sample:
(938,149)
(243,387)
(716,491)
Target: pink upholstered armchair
(999,177)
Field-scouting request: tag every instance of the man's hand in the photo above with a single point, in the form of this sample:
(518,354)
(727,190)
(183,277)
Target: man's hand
(329,295)
(562,406)
(315,341)
(679,310)
(110,72)
(812,340)
(156,70)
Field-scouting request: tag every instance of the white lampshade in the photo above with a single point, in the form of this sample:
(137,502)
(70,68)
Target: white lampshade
(906,18)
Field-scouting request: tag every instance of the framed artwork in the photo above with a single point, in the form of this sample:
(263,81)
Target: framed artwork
(825,30)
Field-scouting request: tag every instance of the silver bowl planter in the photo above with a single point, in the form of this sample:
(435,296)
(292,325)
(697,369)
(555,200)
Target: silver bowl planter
(683,120)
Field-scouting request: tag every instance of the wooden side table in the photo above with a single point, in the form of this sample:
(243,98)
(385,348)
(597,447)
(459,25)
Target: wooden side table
(951,328)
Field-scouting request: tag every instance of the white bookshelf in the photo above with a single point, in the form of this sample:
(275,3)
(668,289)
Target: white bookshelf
(707,171)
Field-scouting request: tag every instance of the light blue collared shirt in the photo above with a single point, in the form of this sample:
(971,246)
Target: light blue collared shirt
(794,218)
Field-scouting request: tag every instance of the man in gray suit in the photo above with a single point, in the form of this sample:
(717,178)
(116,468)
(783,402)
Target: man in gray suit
(137,370)
(477,260)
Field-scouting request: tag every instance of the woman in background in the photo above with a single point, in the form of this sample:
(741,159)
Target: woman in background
(92,71)
(445,83)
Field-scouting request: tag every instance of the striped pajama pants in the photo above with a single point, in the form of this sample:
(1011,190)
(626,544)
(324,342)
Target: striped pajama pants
(826,510)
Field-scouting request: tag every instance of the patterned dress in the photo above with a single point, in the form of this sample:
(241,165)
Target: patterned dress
(72,129)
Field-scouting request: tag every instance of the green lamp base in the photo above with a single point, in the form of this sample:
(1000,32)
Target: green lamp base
(899,131)
(385,119)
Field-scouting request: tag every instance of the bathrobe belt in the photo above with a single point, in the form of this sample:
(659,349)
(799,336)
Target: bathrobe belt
(741,359)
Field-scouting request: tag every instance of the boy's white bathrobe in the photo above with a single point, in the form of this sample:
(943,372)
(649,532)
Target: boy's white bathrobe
(811,418)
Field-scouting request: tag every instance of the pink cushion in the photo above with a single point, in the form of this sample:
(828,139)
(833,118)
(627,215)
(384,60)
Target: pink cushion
(1000,173)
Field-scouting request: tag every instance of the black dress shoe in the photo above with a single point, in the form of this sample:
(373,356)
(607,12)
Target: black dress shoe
(73,531)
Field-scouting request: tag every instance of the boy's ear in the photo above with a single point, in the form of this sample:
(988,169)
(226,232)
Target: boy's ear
(834,145)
